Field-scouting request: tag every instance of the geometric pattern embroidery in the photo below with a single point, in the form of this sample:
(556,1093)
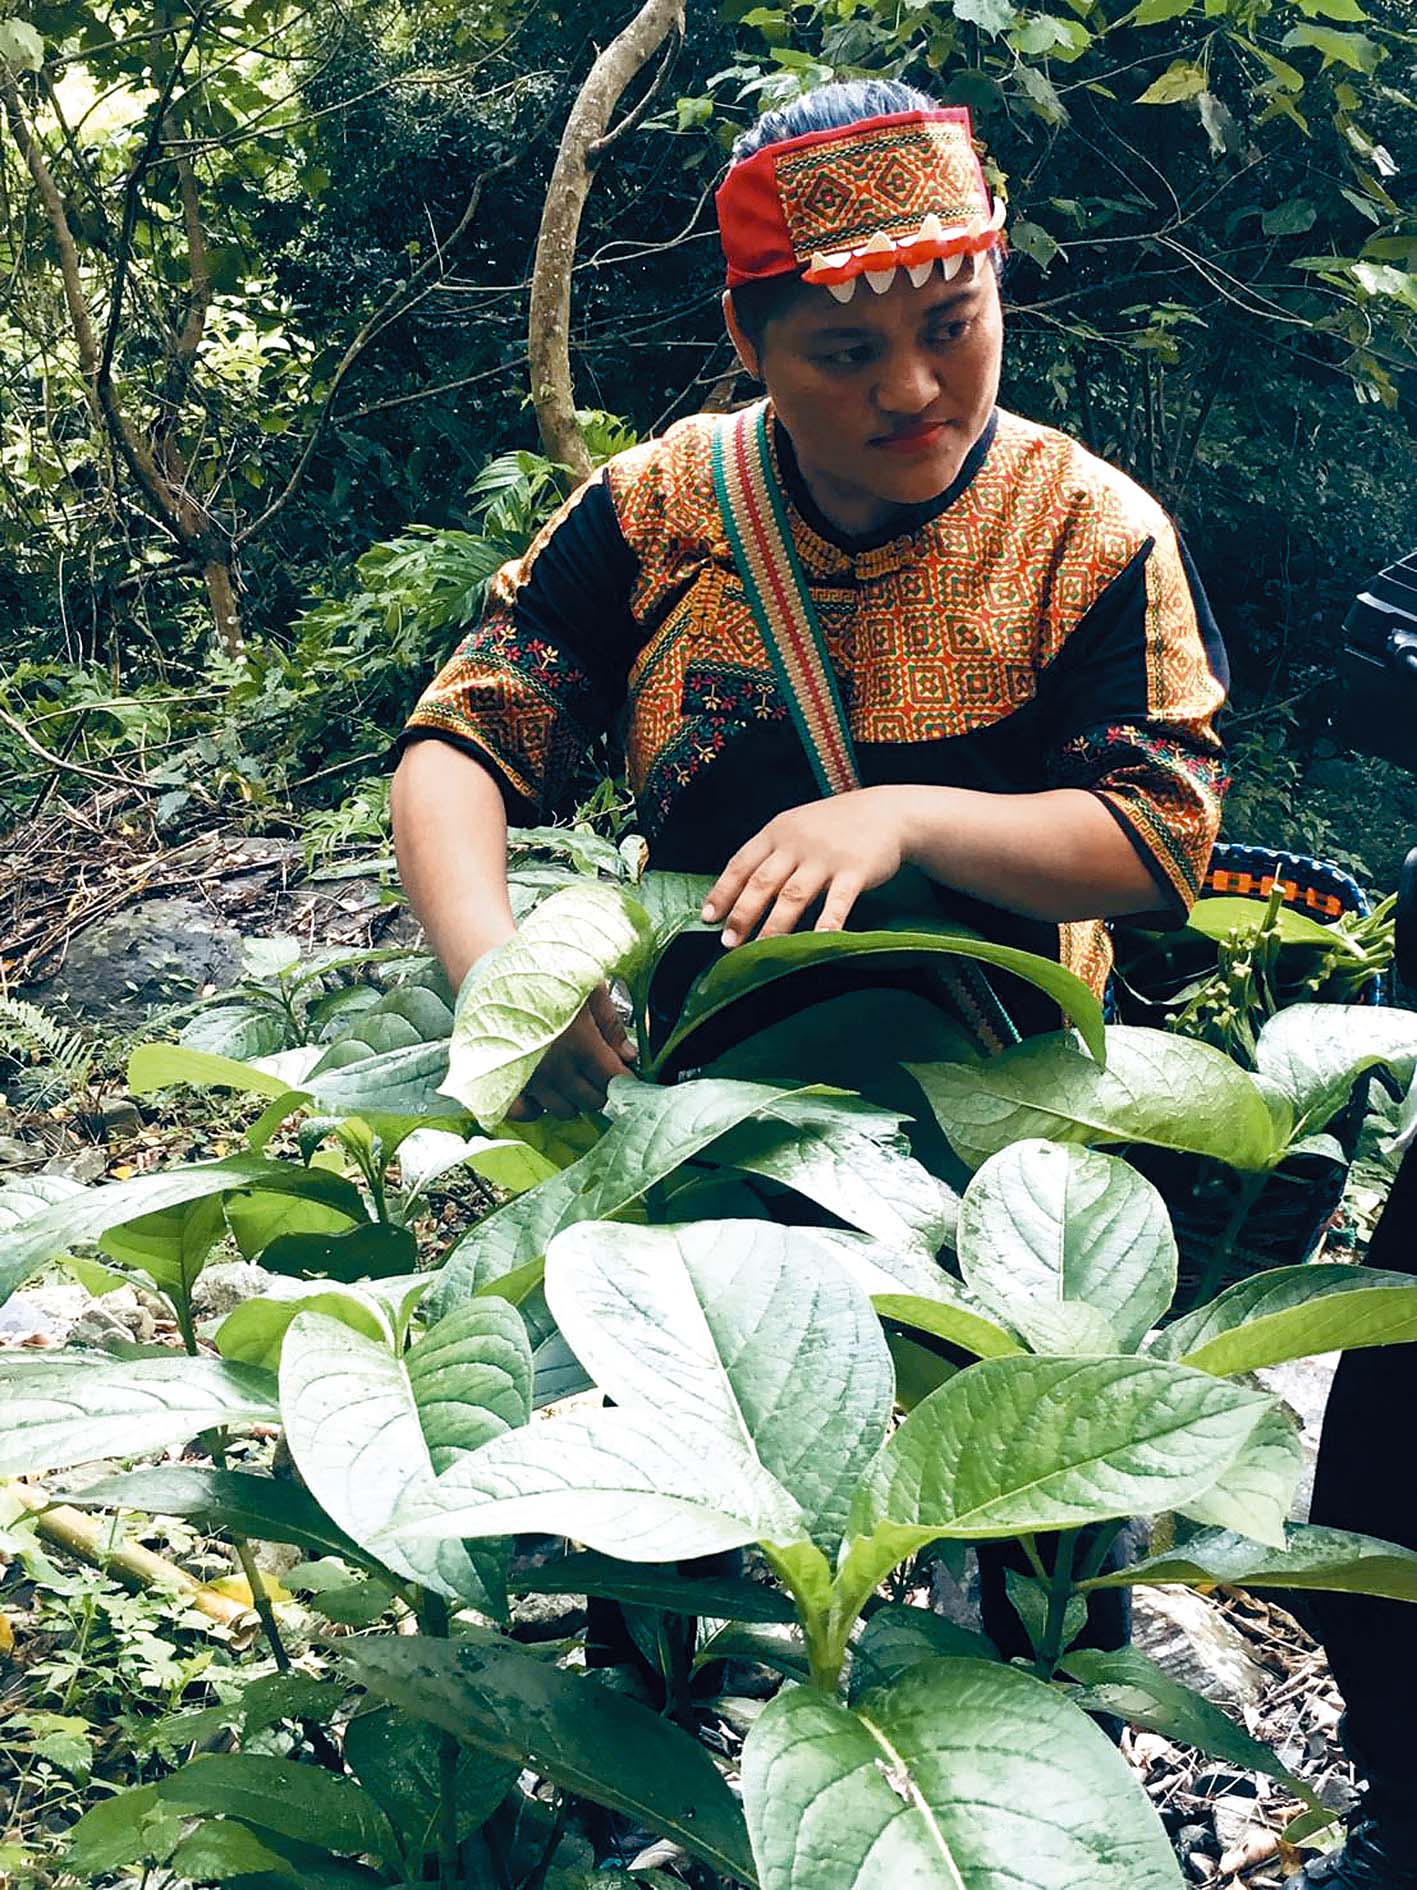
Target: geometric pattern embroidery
(834,195)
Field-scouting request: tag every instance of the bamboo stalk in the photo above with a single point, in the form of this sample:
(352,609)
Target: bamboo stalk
(86,1537)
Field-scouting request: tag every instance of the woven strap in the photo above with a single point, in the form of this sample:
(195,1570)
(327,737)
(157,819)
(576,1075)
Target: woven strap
(755,520)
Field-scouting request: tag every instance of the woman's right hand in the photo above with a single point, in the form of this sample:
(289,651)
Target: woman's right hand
(580,1065)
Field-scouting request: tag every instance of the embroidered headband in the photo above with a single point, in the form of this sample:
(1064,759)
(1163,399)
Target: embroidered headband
(904,191)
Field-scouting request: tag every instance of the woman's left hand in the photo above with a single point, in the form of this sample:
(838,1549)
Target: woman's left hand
(833,850)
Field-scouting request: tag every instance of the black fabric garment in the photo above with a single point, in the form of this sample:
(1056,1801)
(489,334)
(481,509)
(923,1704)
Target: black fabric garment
(1367,1481)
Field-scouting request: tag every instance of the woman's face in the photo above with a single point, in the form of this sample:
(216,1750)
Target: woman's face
(882,396)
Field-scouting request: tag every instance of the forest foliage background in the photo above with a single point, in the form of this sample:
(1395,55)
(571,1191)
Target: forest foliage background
(265,268)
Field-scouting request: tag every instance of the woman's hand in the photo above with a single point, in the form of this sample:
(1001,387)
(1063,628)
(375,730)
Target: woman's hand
(832,850)
(577,1069)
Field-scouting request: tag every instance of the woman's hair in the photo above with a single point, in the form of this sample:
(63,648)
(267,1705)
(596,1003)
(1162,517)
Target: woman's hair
(829,108)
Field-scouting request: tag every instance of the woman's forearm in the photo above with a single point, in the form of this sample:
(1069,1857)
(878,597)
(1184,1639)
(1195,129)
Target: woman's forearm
(450,835)
(1056,856)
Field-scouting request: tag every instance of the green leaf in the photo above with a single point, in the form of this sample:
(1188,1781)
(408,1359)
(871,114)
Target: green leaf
(518,1000)
(1292,219)
(21,46)
(374,1251)
(27,1245)
(1181,80)
(267,1509)
(367,1429)
(60,1411)
(725,1597)
(761,962)
(29,1195)
(254,1332)
(220,1848)
(961,1773)
(273,1697)
(1293,1312)
(994,16)
(170,1247)
(620,1481)
(1315,1053)
(1154,12)
(951,1316)
(654,1132)
(124,1829)
(1354,50)
(394,1090)
(860,1170)
(743,1326)
(396,1758)
(236,1031)
(674,903)
(1044,1223)
(1014,1445)
(154,1066)
(256,1220)
(1128,1684)
(1256,1493)
(898,1637)
(1314,1557)
(284,1797)
(581,1736)
(1157,1087)
(1331,9)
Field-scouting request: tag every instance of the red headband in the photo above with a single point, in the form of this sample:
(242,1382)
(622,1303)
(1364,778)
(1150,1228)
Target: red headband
(904,191)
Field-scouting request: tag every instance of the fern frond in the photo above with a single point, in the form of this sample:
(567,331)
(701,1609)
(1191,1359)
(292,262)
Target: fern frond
(30,1035)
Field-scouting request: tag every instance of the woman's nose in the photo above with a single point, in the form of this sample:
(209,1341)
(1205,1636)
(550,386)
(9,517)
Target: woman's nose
(907,383)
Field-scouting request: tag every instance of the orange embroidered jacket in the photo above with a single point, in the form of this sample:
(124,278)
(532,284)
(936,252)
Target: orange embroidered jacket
(1037,625)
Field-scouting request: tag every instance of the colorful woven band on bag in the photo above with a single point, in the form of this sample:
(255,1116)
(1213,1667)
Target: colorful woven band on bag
(760,537)
(903,191)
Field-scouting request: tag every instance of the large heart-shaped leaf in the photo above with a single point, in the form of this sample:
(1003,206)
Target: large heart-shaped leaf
(254,1332)
(654,1132)
(761,962)
(29,1244)
(1293,1312)
(583,1737)
(1046,1223)
(29,1195)
(621,1481)
(963,1775)
(1156,1087)
(743,1326)
(517,1000)
(1316,1052)
(1313,1557)
(63,1411)
(368,1429)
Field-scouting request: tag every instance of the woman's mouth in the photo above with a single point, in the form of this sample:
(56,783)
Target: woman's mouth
(912,440)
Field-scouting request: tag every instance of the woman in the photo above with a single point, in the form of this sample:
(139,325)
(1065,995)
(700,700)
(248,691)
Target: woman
(1006,674)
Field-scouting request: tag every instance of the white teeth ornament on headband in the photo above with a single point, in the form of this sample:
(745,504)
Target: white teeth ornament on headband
(884,247)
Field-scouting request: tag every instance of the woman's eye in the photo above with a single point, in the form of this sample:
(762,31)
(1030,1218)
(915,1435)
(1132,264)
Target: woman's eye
(845,358)
(952,331)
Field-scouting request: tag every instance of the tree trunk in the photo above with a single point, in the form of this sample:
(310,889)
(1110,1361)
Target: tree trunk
(549,337)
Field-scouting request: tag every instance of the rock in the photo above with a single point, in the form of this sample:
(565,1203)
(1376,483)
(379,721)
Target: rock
(1190,1638)
(118,1318)
(547,1617)
(155,953)
(118,1116)
(43,1314)
(85,1164)
(228,1284)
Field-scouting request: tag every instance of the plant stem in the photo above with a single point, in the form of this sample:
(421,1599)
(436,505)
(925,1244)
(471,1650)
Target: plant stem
(433,1619)
(1251,1186)
(1107,1534)
(1060,1590)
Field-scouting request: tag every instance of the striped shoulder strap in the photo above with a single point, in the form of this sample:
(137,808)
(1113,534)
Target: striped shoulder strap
(755,520)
